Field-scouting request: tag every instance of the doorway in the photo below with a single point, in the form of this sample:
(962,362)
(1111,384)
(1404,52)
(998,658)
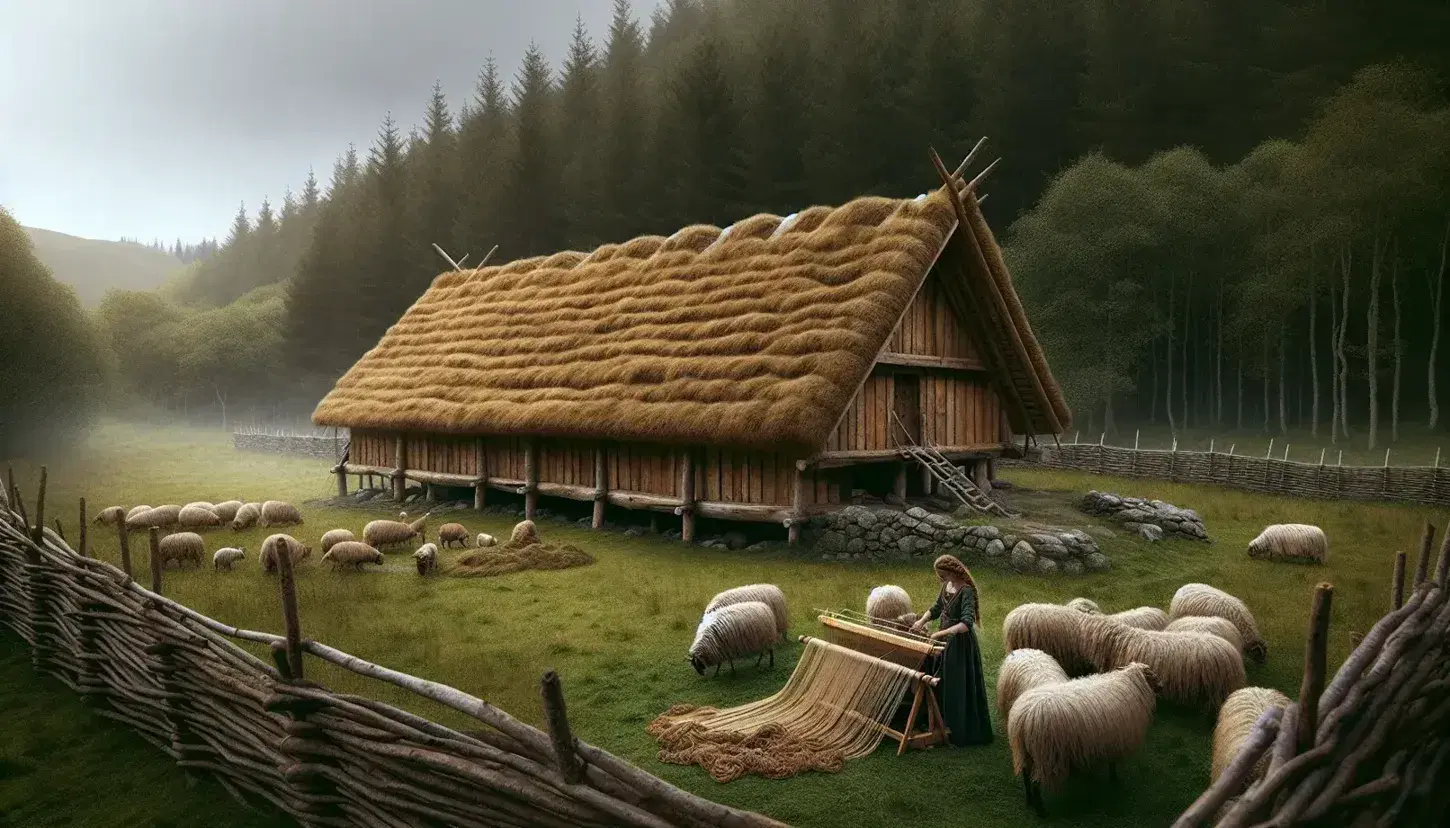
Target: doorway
(906,403)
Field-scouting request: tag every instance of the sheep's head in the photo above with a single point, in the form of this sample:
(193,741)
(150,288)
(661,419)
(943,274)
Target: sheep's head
(1258,651)
(377,558)
(697,664)
(1154,683)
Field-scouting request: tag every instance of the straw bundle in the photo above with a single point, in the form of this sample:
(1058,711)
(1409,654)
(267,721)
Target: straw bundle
(510,557)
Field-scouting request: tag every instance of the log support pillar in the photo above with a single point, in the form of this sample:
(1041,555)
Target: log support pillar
(898,487)
(480,487)
(81,544)
(981,476)
(797,505)
(927,482)
(430,493)
(601,488)
(341,481)
(400,469)
(687,494)
(531,478)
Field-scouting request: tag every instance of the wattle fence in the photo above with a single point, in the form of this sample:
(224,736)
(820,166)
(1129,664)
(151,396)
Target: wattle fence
(268,735)
(328,445)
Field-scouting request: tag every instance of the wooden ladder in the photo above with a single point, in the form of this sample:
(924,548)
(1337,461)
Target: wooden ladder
(953,480)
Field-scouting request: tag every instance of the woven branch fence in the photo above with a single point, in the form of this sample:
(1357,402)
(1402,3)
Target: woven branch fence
(268,735)
(1372,748)
(1416,484)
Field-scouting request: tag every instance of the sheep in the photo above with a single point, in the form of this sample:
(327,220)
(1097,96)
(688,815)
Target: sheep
(298,550)
(887,603)
(768,594)
(224,558)
(111,516)
(1202,599)
(246,517)
(279,513)
(1057,728)
(1193,667)
(450,533)
(1235,721)
(1293,542)
(734,631)
(426,558)
(1211,624)
(1086,605)
(1052,628)
(195,516)
(1144,618)
(485,540)
(201,504)
(181,547)
(352,552)
(380,534)
(1023,670)
(134,511)
(162,516)
(227,510)
(332,537)
(525,533)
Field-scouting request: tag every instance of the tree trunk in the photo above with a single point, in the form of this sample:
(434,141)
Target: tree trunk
(1239,391)
(1218,363)
(1371,338)
(1313,352)
(1283,377)
(1187,318)
(1168,393)
(1268,375)
(1348,264)
(221,398)
(1153,365)
(1333,362)
(1437,292)
(1399,346)
(1109,423)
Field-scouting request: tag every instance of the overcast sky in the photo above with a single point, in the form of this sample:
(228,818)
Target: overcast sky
(154,118)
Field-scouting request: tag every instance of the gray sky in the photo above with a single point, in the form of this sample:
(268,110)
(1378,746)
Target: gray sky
(154,118)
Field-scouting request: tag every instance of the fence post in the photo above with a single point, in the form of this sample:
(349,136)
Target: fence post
(560,734)
(37,530)
(601,487)
(1315,655)
(1211,453)
(290,616)
(155,536)
(480,487)
(1173,462)
(1397,585)
(1427,542)
(125,543)
(81,543)
(38,586)
(1385,476)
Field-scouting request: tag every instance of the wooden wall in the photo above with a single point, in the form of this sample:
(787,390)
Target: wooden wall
(931,328)
(371,448)
(867,425)
(959,409)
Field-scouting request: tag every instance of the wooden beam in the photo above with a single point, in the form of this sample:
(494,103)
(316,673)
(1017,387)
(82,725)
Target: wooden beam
(836,459)
(531,477)
(81,545)
(125,543)
(797,503)
(687,494)
(37,532)
(356,468)
(966,162)
(601,486)
(917,361)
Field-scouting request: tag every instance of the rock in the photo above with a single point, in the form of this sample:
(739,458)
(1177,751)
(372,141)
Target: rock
(917,512)
(831,542)
(1023,558)
(855,546)
(859,515)
(995,549)
(634,531)
(925,531)
(673,534)
(735,539)
(1097,562)
(1150,533)
(1072,567)
(920,545)
(889,535)
(854,530)
(1055,551)
(1135,515)
(584,522)
(893,500)
(940,521)
(1046,566)
(907,522)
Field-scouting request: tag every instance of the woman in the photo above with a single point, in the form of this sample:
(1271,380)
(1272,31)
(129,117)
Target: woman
(963,689)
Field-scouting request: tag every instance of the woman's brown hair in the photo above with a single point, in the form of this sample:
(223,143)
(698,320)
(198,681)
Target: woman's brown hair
(953,565)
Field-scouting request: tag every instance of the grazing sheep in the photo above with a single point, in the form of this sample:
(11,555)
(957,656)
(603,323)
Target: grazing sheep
(381,534)
(332,537)
(111,516)
(246,517)
(426,558)
(181,547)
(1202,599)
(1053,629)
(768,594)
(1070,725)
(279,513)
(1143,618)
(485,539)
(353,553)
(1211,624)
(887,603)
(194,516)
(227,510)
(1024,670)
(1194,668)
(270,549)
(450,533)
(134,511)
(201,504)
(734,631)
(1086,605)
(161,516)
(525,533)
(1292,542)
(225,557)
(1235,721)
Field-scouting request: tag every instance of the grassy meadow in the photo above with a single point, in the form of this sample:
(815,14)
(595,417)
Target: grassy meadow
(617,633)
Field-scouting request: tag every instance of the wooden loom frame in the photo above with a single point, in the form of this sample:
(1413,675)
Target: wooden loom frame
(862,634)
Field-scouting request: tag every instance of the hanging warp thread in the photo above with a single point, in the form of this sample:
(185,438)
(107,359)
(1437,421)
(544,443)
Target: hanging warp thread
(835,706)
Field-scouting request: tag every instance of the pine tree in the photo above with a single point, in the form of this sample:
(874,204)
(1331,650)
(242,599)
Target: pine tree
(482,148)
(625,127)
(534,180)
(779,125)
(241,227)
(708,168)
(266,222)
(434,200)
(309,191)
(578,114)
(385,282)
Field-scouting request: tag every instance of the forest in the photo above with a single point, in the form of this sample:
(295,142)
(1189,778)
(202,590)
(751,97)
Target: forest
(1220,213)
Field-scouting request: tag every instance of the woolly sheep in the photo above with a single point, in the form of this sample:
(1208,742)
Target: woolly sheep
(1293,542)
(1194,668)
(380,534)
(524,533)
(181,547)
(1143,618)
(1211,624)
(202,504)
(270,549)
(485,539)
(1024,670)
(1086,605)
(332,537)
(224,558)
(136,510)
(279,513)
(768,594)
(1051,628)
(734,631)
(887,603)
(246,517)
(1202,599)
(450,533)
(1058,728)
(196,516)
(227,510)
(111,516)
(162,516)
(352,553)
(1235,721)
(426,558)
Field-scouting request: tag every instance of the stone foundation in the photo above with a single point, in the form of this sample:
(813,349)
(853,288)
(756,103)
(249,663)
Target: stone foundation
(1143,516)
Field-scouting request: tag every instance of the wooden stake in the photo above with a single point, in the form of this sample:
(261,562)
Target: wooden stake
(798,497)
(81,550)
(1442,568)
(1315,655)
(1387,458)
(531,478)
(1437,457)
(1397,585)
(1076,438)
(400,459)
(341,481)
(1270,452)
(125,543)
(1286,452)
(155,535)
(687,494)
(1427,542)
(289,612)
(1231,447)
(1102,437)
(37,531)
(1340,461)
(481,459)
(601,487)
(560,734)
(1210,445)
(1321,458)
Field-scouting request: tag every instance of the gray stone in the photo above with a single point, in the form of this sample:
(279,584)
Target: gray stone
(925,531)
(855,545)
(1135,515)
(906,544)
(907,522)
(831,542)
(1150,533)
(1097,562)
(1056,552)
(1072,567)
(854,530)
(940,521)
(859,515)
(889,535)
(917,512)
(1023,557)
(995,549)
(955,535)
(921,545)
(758,545)
(1046,566)
(1132,525)
(634,532)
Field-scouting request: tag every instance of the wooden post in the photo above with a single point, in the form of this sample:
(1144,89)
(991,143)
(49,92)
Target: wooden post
(531,477)
(898,486)
(560,734)
(1442,568)
(687,494)
(1315,656)
(601,487)
(289,613)
(926,482)
(341,481)
(125,543)
(980,476)
(1427,541)
(1397,586)
(37,531)
(81,544)
(479,488)
(155,535)
(400,461)
(60,530)
(798,497)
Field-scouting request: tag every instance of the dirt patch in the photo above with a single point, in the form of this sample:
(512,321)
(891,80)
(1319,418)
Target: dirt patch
(1043,510)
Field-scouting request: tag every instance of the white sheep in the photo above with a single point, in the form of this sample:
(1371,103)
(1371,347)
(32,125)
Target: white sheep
(134,511)
(1292,542)
(1236,721)
(1058,728)
(352,553)
(1202,599)
(525,533)
(381,534)
(1086,605)
(426,557)
(246,517)
(450,533)
(768,594)
(1144,618)
(332,537)
(1051,628)
(181,547)
(1193,667)
(111,516)
(279,513)
(272,546)
(1024,670)
(1211,624)
(160,516)
(196,516)
(485,540)
(734,631)
(226,556)
(887,603)
(227,510)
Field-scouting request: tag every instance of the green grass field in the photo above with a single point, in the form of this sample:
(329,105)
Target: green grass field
(617,633)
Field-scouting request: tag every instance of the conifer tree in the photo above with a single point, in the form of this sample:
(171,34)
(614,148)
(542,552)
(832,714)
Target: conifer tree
(624,127)
(534,178)
(708,175)
(482,153)
(578,115)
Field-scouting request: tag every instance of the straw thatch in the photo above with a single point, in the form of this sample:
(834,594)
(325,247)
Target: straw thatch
(754,336)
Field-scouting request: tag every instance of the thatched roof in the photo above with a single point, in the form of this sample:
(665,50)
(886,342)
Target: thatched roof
(756,336)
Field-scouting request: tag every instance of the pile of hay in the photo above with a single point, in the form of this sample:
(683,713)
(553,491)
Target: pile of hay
(771,751)
(522,551)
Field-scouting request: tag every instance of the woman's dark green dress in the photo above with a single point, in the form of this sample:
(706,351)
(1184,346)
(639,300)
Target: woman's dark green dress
(963,688)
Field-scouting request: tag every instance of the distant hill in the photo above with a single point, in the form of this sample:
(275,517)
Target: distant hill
(92,266)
